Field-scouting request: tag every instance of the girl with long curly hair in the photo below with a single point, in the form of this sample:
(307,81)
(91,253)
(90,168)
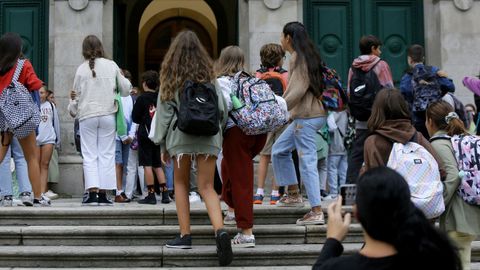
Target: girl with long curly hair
(187,60)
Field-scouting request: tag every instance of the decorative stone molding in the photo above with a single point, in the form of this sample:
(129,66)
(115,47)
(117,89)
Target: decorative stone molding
(273,4)
(78,5)
(463,5)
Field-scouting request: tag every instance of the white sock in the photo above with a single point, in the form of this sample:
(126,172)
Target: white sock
(275,193)
(260,191)
(119,192)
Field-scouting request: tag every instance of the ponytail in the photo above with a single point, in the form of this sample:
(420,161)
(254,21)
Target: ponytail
(445,118)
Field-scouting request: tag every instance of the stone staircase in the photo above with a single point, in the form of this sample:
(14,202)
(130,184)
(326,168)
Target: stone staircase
(133,235)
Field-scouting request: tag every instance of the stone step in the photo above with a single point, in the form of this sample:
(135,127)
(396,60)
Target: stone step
(133,214)
(297,267)
(157,235)
(158,256)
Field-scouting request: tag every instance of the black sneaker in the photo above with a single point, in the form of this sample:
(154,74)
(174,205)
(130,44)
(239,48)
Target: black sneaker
(103,200)
(323,193)
(90,199)
(180,242)
(149,199)
(224,247)
(165,196)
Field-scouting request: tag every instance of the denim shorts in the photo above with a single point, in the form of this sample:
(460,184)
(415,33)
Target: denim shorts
(121,152)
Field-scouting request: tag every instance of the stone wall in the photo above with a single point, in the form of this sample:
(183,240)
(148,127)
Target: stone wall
(262,22)
(452,37)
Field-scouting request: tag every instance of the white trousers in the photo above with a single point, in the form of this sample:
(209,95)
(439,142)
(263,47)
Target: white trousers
(97,138)
(132,170)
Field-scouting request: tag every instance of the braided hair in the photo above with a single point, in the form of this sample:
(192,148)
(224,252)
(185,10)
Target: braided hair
(92,48)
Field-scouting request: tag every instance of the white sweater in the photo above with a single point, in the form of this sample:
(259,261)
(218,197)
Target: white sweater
(95,96)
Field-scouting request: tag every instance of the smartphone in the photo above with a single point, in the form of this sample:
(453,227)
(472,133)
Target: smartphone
(348,193)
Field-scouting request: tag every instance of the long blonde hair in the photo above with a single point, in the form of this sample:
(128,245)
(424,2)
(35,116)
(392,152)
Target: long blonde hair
(186,59)
(231,61)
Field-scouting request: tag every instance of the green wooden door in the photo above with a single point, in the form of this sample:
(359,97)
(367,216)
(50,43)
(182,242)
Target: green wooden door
(337,25)
(28,18)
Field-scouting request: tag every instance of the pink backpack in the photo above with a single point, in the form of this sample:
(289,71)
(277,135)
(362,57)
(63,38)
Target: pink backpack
(466,150)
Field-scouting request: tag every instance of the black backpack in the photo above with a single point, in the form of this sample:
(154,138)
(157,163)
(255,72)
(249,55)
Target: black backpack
(364,86)
(460,110)
(198,112)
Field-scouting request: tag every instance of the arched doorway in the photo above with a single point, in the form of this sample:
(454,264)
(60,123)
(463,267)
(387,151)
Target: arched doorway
(160,37)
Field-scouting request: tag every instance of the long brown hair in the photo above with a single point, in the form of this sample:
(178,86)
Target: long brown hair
(438,112)
(186,59)
(231,61)
(389,104)
(92,48)
(11,50)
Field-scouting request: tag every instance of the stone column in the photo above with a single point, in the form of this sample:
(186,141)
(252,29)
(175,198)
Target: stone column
(266,19)
(73,21)
(452,39)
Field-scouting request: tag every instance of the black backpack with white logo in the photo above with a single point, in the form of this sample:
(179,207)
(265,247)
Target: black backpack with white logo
(198,112)
(364,86)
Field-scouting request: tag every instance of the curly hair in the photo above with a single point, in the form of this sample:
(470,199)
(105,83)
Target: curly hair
(271,54)
(186,59)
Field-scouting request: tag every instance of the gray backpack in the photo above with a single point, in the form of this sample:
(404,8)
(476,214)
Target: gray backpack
(21,114)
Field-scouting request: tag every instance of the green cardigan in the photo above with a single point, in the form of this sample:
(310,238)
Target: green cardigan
(176,142)
(458,216)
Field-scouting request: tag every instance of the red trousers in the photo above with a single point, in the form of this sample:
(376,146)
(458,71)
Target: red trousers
(237,173)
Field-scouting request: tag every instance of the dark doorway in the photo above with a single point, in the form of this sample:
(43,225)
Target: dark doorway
(161,36)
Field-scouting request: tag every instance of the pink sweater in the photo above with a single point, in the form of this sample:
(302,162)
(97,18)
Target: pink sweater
(473,84)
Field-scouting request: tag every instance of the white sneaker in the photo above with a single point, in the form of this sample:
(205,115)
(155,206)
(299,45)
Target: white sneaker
(41,203)
(330,197)
(51,195)
(44,197)
(194,197)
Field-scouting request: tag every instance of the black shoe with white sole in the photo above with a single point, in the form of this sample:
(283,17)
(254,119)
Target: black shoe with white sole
(180,242)
(224,247)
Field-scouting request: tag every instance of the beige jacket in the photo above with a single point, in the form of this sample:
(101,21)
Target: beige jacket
(301,102)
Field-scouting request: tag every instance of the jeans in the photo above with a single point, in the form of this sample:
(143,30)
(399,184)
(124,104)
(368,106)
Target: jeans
(20,169)
(168,170)
(337,172)
(300,135)
(322,173)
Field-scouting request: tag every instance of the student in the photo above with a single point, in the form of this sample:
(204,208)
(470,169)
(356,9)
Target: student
(11,48)
(397,235)
(416,58)
(187,59)
(238,152)
(472,118)
(307,114)
(271,56)
(94,84)
(149,153)
(460,220)
(369,60)
(48,136)
(53,171)
(391,122)
(337,153)
(21,173)
(122,146)
(473,84)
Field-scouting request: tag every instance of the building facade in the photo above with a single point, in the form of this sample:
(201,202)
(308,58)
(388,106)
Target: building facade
(137,33)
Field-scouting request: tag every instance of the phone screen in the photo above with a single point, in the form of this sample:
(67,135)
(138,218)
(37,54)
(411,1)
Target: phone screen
(348,193)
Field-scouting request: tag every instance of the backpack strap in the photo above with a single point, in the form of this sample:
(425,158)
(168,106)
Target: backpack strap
(18,70)
(440,137)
